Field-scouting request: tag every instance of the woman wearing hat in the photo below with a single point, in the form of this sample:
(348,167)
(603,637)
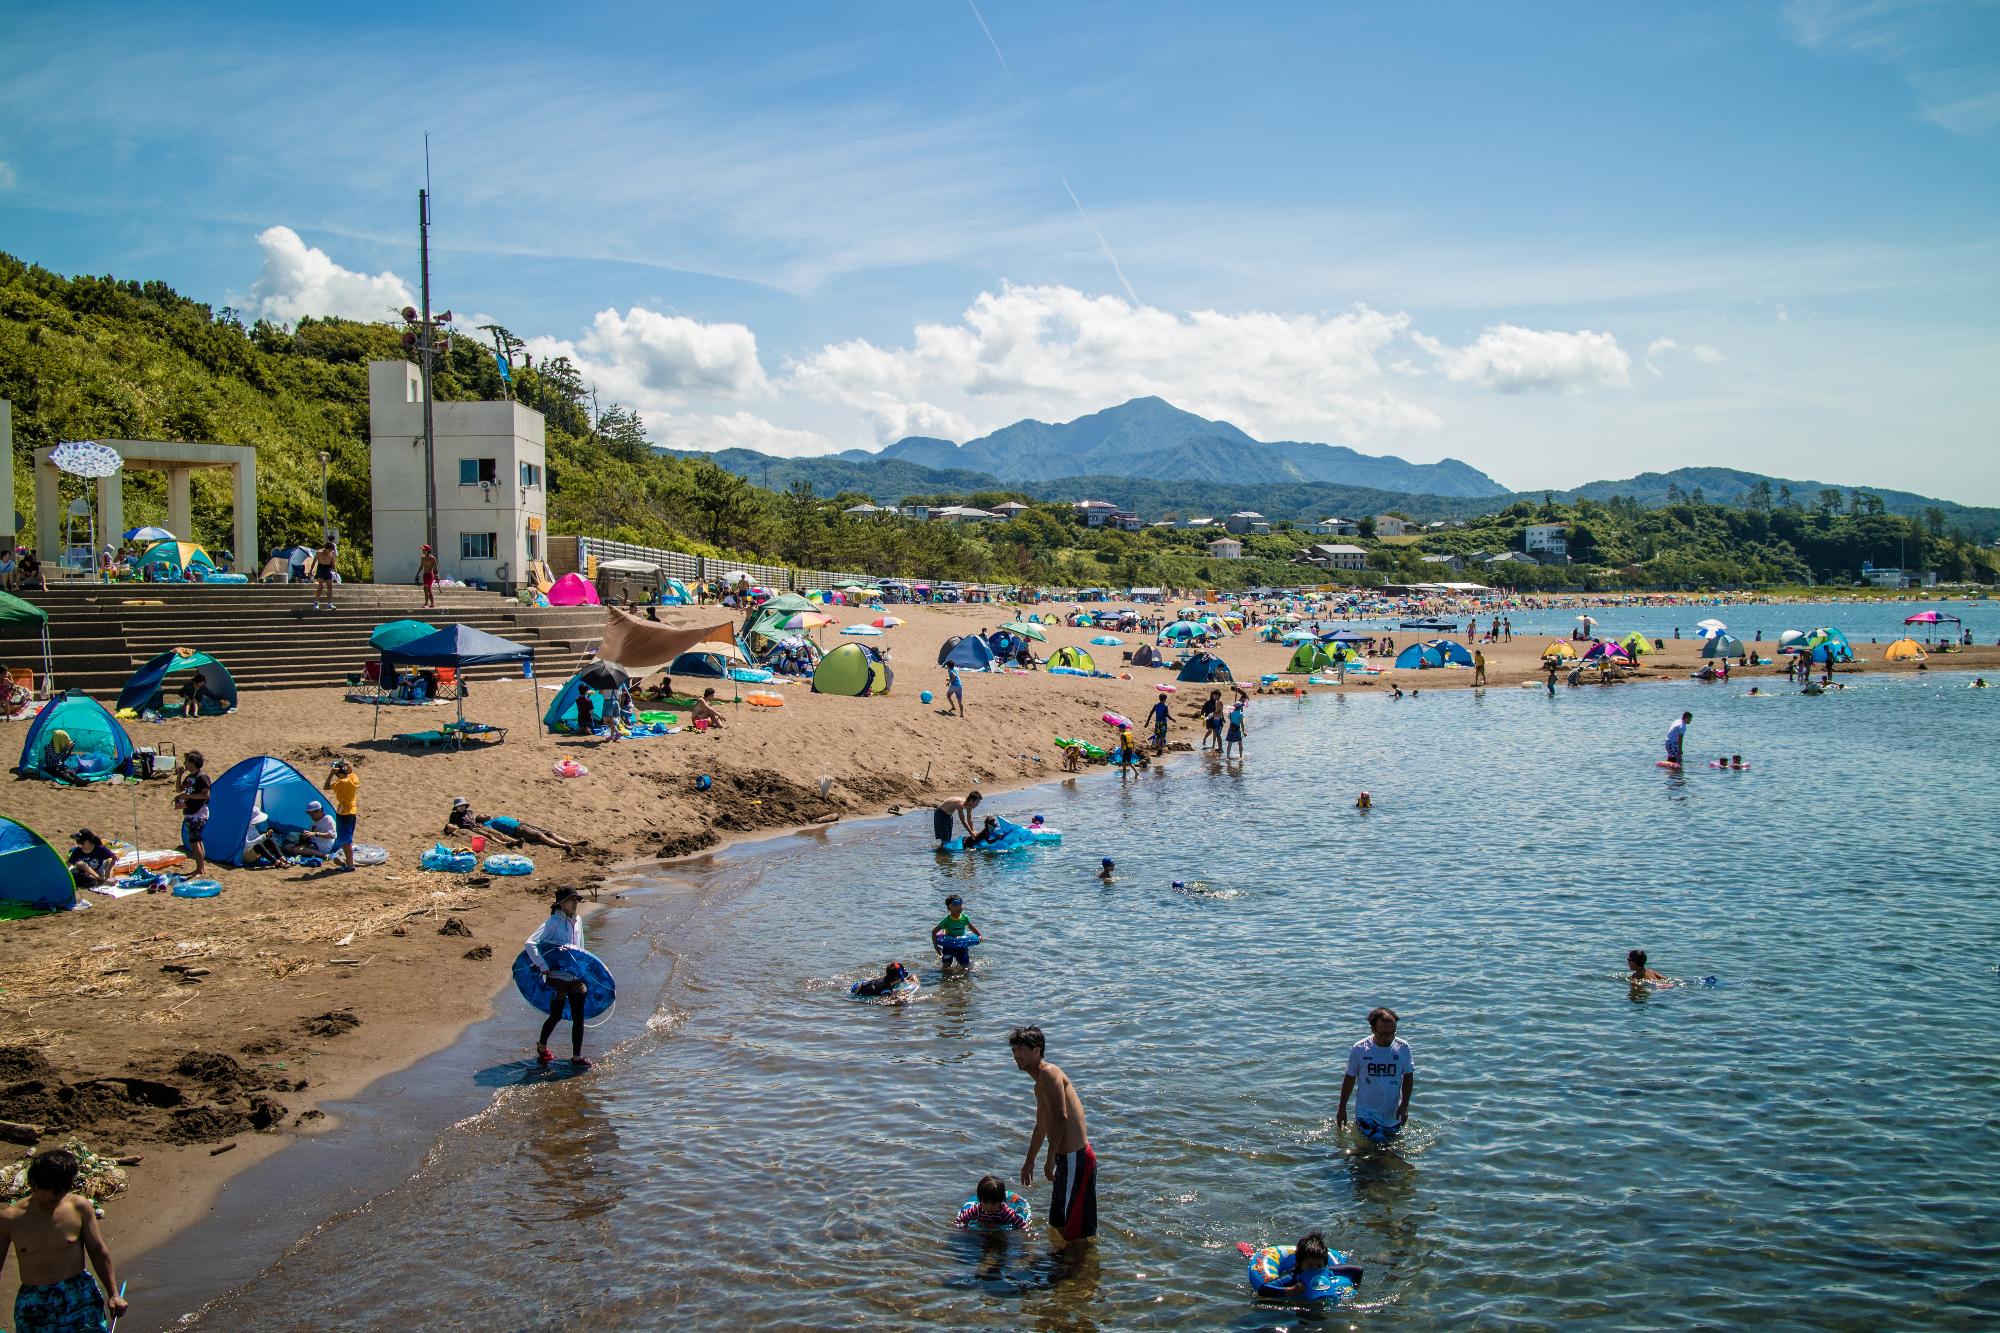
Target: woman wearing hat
(427,574)
(561,931)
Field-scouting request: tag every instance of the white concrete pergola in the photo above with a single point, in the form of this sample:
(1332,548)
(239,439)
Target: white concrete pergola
(179,462)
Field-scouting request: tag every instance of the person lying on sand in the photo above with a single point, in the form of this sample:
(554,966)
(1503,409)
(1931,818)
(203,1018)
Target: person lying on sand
(509,830)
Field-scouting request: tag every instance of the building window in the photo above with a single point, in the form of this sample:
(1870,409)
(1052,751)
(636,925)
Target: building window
(534,545)
(473,471)
(477,545)
(531,475)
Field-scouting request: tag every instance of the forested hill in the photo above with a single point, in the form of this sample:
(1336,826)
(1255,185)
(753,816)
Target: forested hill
(100,357)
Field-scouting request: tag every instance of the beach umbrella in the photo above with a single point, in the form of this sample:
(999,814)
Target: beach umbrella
(863,631)
(149,534)
(1025,628)
(86,458)
(1792,641)
(1183,629)
(805,620)
(396,633)
(1588,620)
(1107,640)
(886,622)
(1297,636)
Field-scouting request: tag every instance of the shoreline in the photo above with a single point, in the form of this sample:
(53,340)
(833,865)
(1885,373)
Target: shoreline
(763,762)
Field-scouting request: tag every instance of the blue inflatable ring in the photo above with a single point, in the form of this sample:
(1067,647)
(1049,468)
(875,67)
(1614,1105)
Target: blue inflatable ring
(600,989)
(1014,1204)
(956,941)
(509,863)
(1272,1267)
(197,888)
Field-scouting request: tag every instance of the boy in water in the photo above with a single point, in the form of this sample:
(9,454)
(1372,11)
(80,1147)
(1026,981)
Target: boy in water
(955,926)
(1381,1064)
(1070,1165)
(1159,717)
(55,1231)
(1635,963)
(1109,871)
(1308,1257)
(990,1211)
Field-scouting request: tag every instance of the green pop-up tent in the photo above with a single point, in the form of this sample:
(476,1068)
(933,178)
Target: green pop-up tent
(23,618)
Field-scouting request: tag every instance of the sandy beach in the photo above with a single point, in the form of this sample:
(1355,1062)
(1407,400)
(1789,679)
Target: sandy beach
(200,1036)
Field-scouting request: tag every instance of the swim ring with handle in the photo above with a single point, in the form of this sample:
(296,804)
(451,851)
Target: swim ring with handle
(1273,1266)
(509,863)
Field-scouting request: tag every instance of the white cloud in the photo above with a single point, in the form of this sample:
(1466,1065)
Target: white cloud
(1661,348)
(7,177)
(658,363)
(1711,355)
(1512,359)
(1054,352)
(1941,48)
(739,430)
(298,280)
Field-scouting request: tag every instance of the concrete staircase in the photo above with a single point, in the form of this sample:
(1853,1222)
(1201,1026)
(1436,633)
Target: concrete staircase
(269,636)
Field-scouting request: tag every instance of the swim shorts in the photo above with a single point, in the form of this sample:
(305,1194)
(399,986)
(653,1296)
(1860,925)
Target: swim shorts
(961,955)
(74,1305)
(941,825)
(1073,1201)
(1375,1131)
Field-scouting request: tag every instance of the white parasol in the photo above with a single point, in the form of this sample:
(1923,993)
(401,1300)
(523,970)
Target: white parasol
(86,458)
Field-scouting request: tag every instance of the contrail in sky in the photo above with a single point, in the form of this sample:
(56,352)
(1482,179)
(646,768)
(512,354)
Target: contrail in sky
(1102,244)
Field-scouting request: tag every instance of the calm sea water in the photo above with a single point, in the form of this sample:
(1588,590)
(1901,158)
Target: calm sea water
(1810,1143)
(1860,621)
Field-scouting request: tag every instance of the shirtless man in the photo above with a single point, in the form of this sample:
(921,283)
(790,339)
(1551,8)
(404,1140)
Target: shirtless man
(1635,964)
(1070,1165)
(957,808)
(704,708)
(54,1231)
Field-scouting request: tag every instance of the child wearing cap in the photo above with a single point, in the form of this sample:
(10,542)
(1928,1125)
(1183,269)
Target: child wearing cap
(545,949)
(320,838)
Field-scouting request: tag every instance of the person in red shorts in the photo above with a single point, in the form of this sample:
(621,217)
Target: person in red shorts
(1070,1166)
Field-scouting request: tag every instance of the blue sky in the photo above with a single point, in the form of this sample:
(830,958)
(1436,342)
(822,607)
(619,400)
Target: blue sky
(1560,242)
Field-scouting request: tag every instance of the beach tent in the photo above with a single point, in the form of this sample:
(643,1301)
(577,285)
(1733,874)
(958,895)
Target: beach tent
(1307,657)
(705,664)
(32,873)
(1146,655)
(1636,644)
(768,622)
(1557,648)
(1457,654)
(19,617)
(675,593)
(852,669)
(1605,649)
(147,689)
(573,590)
(286,565)
(1004,644)
(970,653)
(458,647)
(1904,650)
(1724,645)
(177,557)
(1203,668)
(101,746)
(259,783)
(1792,641)
(1075,658)
(1419,657)
(600,682)
(1828,645)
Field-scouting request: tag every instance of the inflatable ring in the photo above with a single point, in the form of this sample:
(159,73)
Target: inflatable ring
(764,699)
(600,988)
(1014,1204)
(1115,720)
(509,863)
(569,768)
(368,855)
(196,888)
(441,857)
(956,941)
(1272,1267)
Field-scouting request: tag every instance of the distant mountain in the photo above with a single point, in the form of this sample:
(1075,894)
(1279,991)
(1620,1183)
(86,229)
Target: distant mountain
(883,480)
(1151,439)
(1728,486)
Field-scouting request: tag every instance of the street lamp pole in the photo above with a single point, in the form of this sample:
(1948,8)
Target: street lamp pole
(324,459)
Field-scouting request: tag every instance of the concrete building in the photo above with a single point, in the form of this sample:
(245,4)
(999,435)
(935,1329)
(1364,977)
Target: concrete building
(921,513)
(1197,523)
(1336,527)
(1546,539)
(1454,563)
(1010,508)
(490,468)
(1340,556)
(1247,520)
(867,510)
(1225,548)
(962,514)
(1388,525)
(178,460)
(1095,512)
(1125,521)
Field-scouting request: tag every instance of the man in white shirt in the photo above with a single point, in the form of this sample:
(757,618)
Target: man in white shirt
(1676,737)
(1381,1064)
(319,838)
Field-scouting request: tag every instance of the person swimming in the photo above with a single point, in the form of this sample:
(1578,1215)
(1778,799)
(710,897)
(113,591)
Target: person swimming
(1639,974)
(894,975)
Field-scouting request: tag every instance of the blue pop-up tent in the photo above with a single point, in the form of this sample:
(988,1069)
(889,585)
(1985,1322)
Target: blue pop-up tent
(148,686)
(1203,668)
(600,682)
(32,873)
(261,783)
(1419,657)
(1451,651)
(99,746)
(970,653)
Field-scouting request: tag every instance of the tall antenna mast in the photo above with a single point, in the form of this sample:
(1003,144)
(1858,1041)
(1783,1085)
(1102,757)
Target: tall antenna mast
(426,351)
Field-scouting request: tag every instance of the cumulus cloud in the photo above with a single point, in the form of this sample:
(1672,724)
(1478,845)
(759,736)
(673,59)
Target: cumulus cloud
(1661,349)
(1055,351)
(298,280)
(657,363)
(1512,359)
(738,430)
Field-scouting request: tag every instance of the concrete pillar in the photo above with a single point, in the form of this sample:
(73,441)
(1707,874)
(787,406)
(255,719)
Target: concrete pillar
(7,473)
(180,504)
(48,513)
(110,511)
(249,556)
